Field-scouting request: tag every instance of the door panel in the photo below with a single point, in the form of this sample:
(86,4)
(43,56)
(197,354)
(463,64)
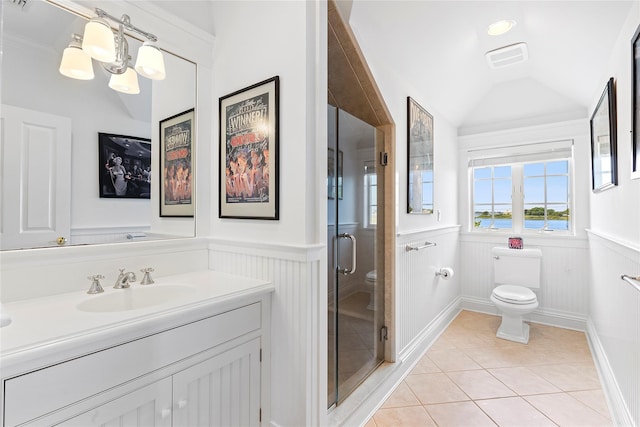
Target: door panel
(220,391)
(36,178)
(147,406)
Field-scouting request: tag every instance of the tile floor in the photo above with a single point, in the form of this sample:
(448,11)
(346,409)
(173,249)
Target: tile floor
(471,378)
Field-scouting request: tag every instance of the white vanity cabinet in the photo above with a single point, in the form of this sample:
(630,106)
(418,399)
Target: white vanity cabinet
(221,391)
(206,372)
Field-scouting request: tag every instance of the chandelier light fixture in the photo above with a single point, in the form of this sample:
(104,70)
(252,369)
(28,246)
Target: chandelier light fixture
(112,51)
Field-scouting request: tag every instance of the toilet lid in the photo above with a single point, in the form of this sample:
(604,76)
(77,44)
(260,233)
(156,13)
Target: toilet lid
(372,275)
(514,294)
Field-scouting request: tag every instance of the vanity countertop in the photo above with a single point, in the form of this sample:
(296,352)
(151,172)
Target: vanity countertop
(52,329)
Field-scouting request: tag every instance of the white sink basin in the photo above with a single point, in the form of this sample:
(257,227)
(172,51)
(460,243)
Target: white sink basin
(134,298)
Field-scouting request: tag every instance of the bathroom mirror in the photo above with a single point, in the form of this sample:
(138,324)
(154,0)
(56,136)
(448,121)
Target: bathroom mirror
(34,38)
(604,161)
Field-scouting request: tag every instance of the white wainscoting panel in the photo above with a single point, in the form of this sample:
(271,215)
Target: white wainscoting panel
(299,322)
(614,324)
(421,295)
(35,273)
(563,293)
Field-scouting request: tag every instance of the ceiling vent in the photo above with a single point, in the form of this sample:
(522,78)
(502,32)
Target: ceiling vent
(507,55)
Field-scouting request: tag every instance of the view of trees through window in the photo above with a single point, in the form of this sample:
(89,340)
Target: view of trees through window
(539,190)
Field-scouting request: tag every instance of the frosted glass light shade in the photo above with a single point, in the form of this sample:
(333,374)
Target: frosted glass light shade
(500,27)
(126,82)
(76,63)
(150,62)
(98,41)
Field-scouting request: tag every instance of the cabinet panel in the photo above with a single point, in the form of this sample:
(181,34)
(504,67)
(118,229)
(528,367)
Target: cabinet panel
(147,406)
(221,391)
(38,393)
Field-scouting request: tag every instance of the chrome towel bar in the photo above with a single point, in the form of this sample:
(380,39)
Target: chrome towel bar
(633,281)
(417,248)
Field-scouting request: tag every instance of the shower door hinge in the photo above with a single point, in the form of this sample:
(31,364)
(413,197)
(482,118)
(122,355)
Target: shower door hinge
(384,333)
(384,158)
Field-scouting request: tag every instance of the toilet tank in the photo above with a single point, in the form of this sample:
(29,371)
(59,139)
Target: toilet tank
(520,267)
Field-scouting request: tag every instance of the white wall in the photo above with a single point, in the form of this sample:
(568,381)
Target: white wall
(256,40)
(615,211)
(614,238)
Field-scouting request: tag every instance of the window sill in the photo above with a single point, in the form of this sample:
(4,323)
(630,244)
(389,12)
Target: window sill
(530,238)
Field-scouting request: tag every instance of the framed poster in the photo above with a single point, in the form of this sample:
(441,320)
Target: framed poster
(177,198)
(419,159)
(249,152)
(604,159)
(124,166)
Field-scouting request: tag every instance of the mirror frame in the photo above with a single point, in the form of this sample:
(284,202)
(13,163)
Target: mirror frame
(604,145)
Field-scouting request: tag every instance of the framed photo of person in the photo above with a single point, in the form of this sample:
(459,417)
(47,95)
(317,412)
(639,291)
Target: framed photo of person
(248,141)
(177,198)
(124,166)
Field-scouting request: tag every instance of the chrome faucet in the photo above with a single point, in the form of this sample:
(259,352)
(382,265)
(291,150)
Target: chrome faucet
(146,279)
(95,288)
(124,280)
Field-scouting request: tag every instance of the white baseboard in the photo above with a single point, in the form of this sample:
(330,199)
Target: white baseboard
(619,412)
(367,399)
(545,317)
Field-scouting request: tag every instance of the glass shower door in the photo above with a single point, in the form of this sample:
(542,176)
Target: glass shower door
(355,295)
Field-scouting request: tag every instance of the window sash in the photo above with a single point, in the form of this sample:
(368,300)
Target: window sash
(517,157)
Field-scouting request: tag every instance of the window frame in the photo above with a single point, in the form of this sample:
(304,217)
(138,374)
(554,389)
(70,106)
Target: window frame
(517,190)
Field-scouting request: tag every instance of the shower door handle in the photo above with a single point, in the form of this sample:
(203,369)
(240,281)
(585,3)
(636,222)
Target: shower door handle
(347,271)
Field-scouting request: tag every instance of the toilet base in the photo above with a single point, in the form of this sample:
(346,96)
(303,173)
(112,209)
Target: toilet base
(514,329)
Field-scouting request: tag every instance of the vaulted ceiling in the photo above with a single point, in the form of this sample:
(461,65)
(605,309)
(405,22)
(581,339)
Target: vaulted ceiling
(440,45)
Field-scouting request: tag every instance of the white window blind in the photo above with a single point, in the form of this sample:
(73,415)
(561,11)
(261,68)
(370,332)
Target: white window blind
(515,154)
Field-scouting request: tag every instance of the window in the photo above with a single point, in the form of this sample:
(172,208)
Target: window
(546,195)
(492,197)
(370,194)
(528,191)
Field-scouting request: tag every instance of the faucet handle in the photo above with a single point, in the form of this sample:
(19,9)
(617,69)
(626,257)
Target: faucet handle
(146,279)
(95,288)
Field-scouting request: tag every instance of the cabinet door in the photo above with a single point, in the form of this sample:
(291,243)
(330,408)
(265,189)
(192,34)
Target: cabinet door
(221,391)
(147,406)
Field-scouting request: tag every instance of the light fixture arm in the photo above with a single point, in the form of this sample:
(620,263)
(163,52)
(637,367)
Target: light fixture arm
(125,21)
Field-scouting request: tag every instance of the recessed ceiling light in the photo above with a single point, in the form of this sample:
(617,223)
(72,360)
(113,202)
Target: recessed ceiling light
(500,27)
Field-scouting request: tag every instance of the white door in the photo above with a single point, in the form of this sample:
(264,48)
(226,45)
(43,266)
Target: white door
(145,407)
(36,178)
(221,391)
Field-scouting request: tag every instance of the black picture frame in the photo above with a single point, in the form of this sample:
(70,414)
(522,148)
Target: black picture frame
(420,143)
(604,159)
(124,166)
(177,161)
(248,141)
(635,109)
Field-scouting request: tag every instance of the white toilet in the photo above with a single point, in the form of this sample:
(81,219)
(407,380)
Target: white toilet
(370,283)
(516,272)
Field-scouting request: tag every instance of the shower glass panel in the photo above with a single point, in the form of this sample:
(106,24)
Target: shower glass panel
(355,294)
